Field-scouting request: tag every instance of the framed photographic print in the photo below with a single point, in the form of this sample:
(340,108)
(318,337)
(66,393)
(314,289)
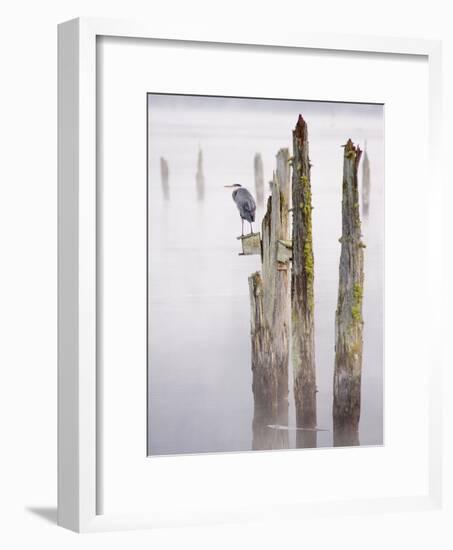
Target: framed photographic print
(237,222)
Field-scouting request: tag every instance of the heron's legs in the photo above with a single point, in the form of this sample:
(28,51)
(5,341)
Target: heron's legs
(251,229)
(242,220)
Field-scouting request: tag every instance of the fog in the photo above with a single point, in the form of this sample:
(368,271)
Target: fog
(200,396)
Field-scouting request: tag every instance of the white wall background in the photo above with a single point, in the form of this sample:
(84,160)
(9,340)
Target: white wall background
(28,266)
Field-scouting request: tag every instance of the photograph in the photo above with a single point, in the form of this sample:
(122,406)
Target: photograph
(265,274)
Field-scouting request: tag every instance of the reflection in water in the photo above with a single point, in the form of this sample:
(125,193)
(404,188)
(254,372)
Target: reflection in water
(164,178)
(199,176)
(306,439)
(266,423)
(346,436)
(277,436)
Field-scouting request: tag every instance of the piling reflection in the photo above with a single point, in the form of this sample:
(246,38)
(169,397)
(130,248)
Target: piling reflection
(271,430)
(306,439)
(270,427)
(346,435)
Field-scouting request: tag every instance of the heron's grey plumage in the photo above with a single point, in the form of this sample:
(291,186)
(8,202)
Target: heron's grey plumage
(245,203)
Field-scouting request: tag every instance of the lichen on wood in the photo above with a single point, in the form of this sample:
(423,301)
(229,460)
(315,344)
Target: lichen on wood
(302,282)
(349,318)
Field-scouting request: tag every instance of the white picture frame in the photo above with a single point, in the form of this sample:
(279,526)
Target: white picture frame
(79,387)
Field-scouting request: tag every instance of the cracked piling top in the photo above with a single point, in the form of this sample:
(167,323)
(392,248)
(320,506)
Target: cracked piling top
(352,151)
(300,131)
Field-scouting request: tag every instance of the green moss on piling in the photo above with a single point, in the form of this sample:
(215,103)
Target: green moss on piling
(308,240)
(356,310)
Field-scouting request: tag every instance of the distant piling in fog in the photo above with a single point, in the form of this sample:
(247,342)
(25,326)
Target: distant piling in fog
(164,176)
(259,179)
(199,176)
(269,293)
(348,319)
(366,183)
(302,289)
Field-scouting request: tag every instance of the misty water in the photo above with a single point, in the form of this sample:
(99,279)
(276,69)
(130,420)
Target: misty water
(199,372)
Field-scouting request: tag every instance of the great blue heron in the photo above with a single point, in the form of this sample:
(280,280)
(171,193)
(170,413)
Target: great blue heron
(245,203)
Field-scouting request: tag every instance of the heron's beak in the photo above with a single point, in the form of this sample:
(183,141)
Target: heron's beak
(229,186)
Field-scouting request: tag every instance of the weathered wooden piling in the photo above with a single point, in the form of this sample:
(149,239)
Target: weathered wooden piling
(269,303)
(199,176)
(302,287)
(164,178)
(275,270)
(348,319)
(259,179)
(366,183)
(264,375)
